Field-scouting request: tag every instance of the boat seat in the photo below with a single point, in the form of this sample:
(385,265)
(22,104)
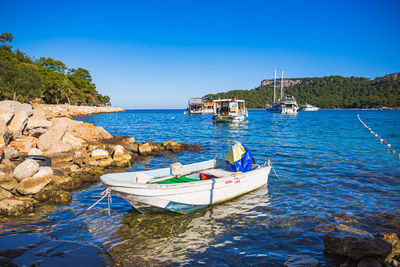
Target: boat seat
(142,178)
(218,173)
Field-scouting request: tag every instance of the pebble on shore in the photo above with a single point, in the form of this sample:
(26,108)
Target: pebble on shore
(80,153)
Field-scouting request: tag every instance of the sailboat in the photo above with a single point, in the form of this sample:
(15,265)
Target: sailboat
(287,105)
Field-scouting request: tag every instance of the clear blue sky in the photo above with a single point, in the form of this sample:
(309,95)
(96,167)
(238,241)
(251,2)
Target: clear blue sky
(156,54)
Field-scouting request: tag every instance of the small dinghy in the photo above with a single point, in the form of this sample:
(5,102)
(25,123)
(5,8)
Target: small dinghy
(185,188)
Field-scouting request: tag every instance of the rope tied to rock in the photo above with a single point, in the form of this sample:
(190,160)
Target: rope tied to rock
(105,193)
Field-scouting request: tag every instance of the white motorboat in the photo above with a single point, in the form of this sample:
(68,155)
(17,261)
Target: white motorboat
(181,188)
(309,107)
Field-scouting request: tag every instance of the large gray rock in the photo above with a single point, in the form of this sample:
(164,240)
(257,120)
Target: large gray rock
(35,122)
(99,154)
(18,123)
(301,261)
(7,111)
(27,108)
(8,182)
(369,262)
(15,207)
(145,149)
(37,132)
(26,169)
(51,142)
(75,142)
(4,194)
(43,171)
(11,153)
(5,134)
(35,152)
(355,244)
(32,185)
(52,137)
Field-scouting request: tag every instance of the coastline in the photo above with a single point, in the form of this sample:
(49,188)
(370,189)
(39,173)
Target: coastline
(65,110)
(46,155)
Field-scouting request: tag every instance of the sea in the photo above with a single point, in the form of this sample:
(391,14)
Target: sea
(329,170)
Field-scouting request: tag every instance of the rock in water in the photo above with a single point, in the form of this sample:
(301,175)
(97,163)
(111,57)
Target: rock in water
(301,261)
(15,207)
(32,185)
(26,169)
(355,244)
(145,149)
(369,262)
(99,154)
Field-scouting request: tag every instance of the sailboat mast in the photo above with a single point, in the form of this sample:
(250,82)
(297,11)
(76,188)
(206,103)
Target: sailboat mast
(274,84)
(281,84)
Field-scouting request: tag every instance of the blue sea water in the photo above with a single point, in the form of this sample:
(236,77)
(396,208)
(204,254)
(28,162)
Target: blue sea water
(331,170)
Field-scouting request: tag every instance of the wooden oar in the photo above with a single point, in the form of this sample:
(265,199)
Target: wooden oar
(152,181)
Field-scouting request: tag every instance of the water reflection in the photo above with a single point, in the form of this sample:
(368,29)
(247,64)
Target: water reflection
(172,237)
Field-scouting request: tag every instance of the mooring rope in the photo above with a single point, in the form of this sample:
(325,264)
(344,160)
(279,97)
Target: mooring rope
(377,136)
(105,193)
(270,164)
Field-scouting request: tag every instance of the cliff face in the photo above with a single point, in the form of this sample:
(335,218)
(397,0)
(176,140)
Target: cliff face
(286,83)
(393,76)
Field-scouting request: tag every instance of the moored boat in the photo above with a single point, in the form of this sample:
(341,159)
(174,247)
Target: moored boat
(309,107)
(195,106)
(229,110)
(185,188)
(287,105)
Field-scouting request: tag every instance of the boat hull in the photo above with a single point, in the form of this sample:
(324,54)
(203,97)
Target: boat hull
(190,196)
(229,118)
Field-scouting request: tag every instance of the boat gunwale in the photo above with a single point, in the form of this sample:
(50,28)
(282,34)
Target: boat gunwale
(124,184)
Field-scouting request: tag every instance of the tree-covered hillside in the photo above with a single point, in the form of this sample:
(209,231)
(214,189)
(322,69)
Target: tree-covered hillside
(43,80)
(328,92)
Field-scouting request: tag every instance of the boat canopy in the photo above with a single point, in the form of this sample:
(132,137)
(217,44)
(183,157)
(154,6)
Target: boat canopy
(239,158)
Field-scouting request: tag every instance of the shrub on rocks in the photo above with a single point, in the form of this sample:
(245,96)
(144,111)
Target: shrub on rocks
(26,169)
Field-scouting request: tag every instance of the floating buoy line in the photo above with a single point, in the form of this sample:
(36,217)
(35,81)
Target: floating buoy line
(384,142)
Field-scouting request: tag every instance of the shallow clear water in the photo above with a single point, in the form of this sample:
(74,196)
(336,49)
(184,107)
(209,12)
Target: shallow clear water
(331,170)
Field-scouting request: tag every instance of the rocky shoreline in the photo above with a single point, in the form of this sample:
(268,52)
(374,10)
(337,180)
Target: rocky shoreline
(33,135)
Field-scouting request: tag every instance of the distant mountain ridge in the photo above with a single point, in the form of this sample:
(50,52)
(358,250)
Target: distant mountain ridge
(326,92)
